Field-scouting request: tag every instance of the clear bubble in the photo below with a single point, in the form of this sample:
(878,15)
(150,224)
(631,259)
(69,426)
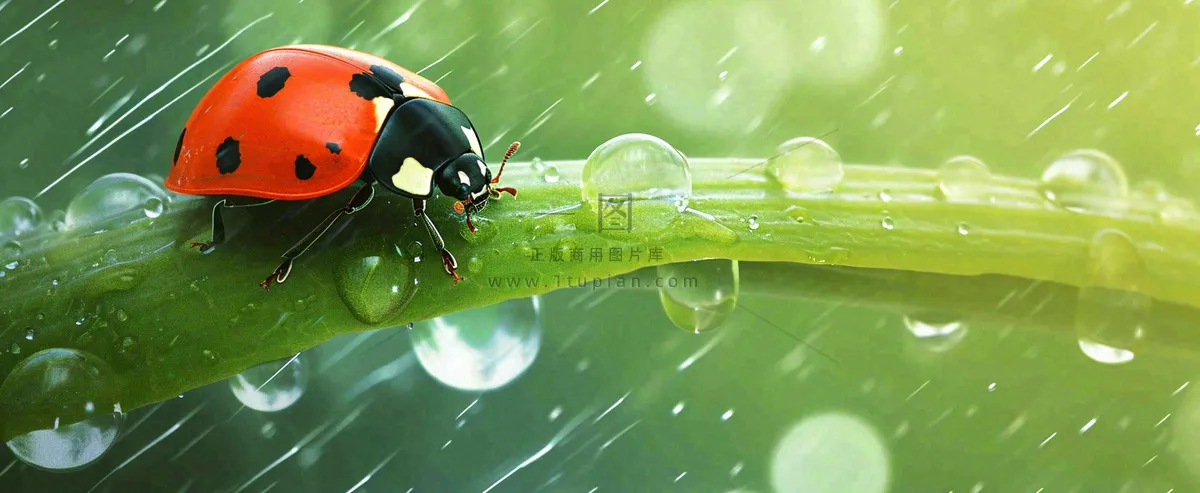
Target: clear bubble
(70,396)
(18,215)
(482,348)
(888,223)
(109,197)
(964,229)
(807,164)
(964,178)
(753,222)
(273,386)
(935,331)
(1110,313)
(537,164)
(29,334)
(698,296)
(374,280)
(641,168)
(1086,180)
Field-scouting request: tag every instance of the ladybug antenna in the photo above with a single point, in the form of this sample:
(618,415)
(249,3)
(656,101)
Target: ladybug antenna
(512,149)
(494,192)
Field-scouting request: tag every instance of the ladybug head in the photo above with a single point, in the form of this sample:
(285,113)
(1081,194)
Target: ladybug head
(470,181)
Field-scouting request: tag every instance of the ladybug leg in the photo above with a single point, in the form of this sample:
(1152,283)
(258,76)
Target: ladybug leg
(218,224)
(448,260)
(357,203)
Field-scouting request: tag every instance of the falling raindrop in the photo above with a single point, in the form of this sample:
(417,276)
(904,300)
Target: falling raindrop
(273,386)
(807,164)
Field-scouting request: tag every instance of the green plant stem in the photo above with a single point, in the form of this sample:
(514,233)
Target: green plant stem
(168,319)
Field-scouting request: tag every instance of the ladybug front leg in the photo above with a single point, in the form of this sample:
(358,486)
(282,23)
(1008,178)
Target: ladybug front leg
(357,203)
(448,260)
(218,223)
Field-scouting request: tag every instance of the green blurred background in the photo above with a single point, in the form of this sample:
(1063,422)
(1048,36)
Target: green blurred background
(905,83)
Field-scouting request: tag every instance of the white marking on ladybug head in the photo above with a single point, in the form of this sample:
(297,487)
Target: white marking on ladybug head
(464,179)
(474,140)
(413,178)
(478,194)
(411,91)
(382,106)
(482,168)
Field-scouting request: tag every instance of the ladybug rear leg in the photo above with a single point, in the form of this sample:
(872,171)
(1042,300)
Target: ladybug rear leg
(218,224)
(448,260)
(357,203)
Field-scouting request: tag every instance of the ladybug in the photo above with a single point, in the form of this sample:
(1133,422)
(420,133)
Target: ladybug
(303,121)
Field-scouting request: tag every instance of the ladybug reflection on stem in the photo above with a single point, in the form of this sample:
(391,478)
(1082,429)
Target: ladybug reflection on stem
(305,121)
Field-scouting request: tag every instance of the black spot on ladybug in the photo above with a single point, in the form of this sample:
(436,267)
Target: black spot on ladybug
(272,82)
(388,76)
(229,155)
(368,87)
(178,147)
(304,168)
(333,147)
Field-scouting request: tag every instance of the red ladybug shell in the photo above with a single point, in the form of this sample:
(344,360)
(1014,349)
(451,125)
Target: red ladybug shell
(291,123)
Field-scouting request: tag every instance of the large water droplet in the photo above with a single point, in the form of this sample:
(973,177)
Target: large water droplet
(18,215)
(807,164)
(963,178)
(374,280)
(698,296)
(482,348)
(935,331)
(111,196)
(643,168)
(70,395)
(1086,180)
(273,386)
(1110,314)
